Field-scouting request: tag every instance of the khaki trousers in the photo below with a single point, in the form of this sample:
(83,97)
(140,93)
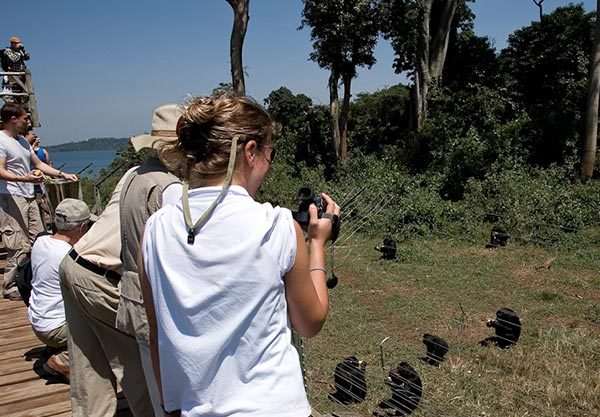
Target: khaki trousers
(99,354)
(20,223)
(57,340)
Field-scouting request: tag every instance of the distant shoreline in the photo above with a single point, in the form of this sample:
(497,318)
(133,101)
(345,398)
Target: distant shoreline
(93,144)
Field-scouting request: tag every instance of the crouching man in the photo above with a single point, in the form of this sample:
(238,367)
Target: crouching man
(46,308)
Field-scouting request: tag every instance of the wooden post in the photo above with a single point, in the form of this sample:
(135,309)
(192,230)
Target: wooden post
(32,104)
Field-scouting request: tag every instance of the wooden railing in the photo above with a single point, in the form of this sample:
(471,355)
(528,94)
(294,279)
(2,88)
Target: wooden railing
(23,93)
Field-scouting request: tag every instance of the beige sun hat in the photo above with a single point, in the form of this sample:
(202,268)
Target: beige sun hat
(164,125)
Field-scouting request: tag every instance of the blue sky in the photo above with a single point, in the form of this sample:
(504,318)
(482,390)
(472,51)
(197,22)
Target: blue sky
(101,67)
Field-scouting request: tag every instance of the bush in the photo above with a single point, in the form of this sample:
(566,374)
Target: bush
(537,205)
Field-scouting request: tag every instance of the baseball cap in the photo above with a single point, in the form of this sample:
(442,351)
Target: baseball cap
(71,210)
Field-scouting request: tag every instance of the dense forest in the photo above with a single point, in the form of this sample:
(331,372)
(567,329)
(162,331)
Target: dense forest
(496,132)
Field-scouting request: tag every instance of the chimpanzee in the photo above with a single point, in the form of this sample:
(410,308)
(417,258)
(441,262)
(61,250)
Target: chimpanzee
(436,349)
(508,329)
(498,237)
(350,381)
(388,249)
(407,390)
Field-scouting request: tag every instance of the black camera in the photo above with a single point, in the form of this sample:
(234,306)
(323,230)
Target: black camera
(306,197)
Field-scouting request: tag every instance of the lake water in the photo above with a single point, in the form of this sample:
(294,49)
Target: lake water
(75,161)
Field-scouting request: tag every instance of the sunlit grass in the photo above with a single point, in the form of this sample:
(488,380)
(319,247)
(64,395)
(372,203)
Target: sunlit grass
(450,288)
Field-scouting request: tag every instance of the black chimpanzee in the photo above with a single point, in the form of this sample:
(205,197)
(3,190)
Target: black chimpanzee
(407,390)
(508,329)
(436,349)
(388,249)
(498,238)
(350,381)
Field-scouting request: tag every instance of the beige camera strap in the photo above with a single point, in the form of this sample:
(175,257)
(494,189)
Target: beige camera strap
(193,228)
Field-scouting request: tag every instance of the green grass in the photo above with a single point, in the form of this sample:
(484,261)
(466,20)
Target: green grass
(450,288)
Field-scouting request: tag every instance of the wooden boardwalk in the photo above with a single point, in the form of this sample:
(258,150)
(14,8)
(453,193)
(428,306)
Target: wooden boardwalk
(25,389)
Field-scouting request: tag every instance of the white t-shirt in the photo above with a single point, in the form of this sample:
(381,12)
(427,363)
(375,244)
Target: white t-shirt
(223,331)
(46,309)
(18,154)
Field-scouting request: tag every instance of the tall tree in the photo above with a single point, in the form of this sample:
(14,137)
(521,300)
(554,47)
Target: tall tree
(590,139)
(419,31)
(238,33)
(547,66)
(344,34)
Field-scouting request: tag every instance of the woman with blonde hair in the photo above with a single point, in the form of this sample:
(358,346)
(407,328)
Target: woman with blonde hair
(227,278)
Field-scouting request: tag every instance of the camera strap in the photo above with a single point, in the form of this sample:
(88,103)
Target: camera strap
(193,228)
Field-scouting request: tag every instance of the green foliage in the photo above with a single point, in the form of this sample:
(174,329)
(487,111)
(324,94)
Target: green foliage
(538,206)
(378,120)
(344,33)
(470,60)
(108,177)
(400,23)
(305,130)
(547,65)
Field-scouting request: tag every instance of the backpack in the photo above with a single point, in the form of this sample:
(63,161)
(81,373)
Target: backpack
(23,278)
(24,275)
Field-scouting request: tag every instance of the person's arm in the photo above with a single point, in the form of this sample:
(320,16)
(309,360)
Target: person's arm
(149,307)
(47,156)
(305,284)
(48,170)
(150,313)
(9,176)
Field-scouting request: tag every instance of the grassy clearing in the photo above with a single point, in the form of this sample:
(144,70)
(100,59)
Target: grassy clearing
(450,288)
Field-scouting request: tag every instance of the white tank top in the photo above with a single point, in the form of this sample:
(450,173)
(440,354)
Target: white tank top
(223,331)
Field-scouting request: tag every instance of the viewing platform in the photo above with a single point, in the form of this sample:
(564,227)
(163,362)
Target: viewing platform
(23,93)
(25,389)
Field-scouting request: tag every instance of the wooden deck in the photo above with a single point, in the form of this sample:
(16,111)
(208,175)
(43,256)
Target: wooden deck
(25,389)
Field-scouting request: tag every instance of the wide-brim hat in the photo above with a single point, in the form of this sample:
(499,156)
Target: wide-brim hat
(164,127)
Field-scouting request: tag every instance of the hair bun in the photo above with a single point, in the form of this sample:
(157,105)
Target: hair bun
(193,138)
(201,110)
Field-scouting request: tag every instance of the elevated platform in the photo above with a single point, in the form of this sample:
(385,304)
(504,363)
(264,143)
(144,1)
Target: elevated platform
(25,389)
(23,93)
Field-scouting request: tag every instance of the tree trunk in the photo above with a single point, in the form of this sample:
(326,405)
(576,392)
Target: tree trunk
(588,158)
(439,44)
(334,106)
(538,3)
(422,74)
(343,151)
(431,56)
(238,33)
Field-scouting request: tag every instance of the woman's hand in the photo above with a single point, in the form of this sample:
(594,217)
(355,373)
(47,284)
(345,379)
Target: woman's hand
(320,229)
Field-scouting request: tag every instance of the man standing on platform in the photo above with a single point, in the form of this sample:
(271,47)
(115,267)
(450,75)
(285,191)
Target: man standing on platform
(99,354)
(145,191)
(20,220)
(13,60)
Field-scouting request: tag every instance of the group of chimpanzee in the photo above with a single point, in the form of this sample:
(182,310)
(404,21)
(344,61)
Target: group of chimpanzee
(350,374)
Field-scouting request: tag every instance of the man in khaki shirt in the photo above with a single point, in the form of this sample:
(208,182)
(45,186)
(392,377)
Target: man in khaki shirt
(145,191)
(99,354)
